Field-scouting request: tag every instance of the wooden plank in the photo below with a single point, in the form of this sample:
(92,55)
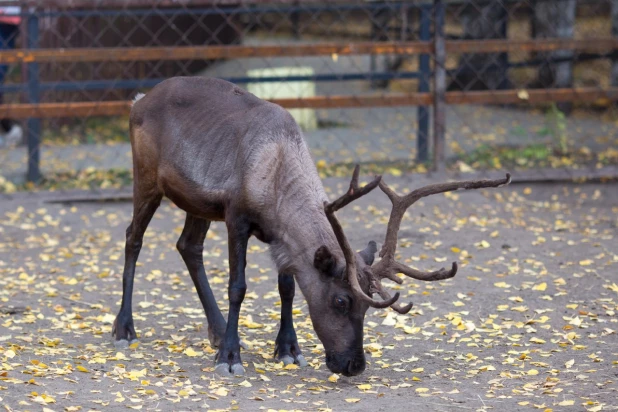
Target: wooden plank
(132,54)
(115,108)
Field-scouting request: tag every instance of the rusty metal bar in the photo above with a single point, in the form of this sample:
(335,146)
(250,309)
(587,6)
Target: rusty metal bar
(131,54)
(599,45)
(116,108)
(439,86)
(123,4)
(584,94)
(113,108)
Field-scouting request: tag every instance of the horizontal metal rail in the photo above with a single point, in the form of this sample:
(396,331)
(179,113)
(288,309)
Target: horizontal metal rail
(203,8)
(593,45)
(84,85)
(209,52)
(222,5)
(293,5)
(149,83)
(212,52)
(115,108)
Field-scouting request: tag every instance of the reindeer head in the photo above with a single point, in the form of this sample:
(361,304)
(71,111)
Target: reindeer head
(342,307)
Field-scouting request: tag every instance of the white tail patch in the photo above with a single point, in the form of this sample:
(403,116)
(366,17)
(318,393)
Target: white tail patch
(137,98)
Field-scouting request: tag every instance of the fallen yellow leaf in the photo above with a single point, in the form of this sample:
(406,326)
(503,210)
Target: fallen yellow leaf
(333,378)
(540,286)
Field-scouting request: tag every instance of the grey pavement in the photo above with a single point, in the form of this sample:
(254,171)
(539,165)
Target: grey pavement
(363,135)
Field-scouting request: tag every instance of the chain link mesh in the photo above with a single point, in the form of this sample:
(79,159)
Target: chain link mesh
(528,83)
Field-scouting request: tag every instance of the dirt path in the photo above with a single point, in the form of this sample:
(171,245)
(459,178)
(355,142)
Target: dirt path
(529,322)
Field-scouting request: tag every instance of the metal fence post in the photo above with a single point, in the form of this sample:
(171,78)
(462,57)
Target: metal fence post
(439,86)
(422,138)
(614,55)
(614,16)
(34,124)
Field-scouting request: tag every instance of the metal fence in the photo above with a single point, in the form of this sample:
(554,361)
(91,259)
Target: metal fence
(459,84)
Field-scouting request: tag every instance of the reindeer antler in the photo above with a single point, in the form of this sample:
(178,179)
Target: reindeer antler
(388,267)
(353,193)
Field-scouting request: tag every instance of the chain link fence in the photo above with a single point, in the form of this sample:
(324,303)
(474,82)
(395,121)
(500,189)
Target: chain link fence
(396,85)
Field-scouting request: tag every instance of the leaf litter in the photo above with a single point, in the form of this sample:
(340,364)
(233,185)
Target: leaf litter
(530,320)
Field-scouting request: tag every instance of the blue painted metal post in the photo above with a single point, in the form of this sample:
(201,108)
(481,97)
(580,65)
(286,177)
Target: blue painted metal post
(439,86)
(422,138)
(34,125)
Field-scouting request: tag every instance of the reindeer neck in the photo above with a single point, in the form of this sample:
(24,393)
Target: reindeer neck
(299,223)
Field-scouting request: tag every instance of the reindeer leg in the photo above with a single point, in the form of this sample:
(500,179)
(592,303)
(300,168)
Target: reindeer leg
(191,245)
(286,345)
(144,208)
(228,359)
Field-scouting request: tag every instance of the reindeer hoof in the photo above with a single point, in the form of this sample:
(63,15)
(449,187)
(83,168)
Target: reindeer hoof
(123,332)
(223,369)
(237,369)
(289,360)
(124,344)
(287,349)
(300,359)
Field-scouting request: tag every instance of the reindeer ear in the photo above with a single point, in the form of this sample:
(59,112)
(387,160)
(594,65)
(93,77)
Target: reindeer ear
(325,262)
(369,253)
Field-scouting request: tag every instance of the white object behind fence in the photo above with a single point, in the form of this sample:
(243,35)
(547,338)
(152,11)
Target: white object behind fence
(306,118)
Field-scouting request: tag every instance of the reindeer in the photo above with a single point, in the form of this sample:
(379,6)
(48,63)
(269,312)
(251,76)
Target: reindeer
(222,154)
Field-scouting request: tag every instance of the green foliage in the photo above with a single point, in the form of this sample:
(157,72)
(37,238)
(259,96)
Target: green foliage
(86,179)
(486,156)
(91,130)
(556,127)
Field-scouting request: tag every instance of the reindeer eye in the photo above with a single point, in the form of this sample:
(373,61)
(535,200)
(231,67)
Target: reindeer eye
(341,303)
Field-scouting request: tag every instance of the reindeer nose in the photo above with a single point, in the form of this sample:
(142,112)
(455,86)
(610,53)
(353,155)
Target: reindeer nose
(356,367)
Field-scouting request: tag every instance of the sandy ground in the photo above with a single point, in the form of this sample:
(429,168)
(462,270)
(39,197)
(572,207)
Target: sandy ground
(528,323)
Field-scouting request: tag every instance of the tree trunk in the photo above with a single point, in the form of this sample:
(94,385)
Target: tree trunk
(555,19)
(482,19)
